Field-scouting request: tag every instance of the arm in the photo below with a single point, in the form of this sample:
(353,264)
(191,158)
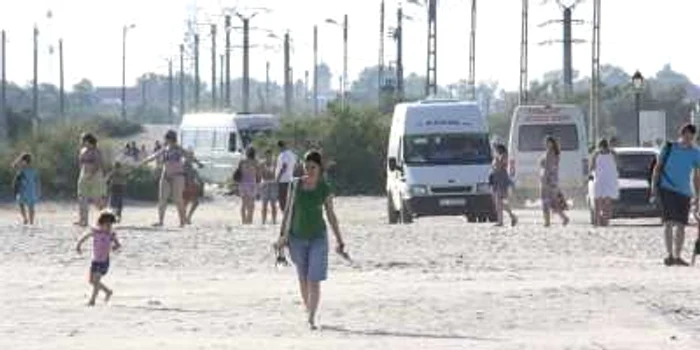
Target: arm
(15,163)
(152,157)
(117,244)
(286,217)
(81,241)
(333,221)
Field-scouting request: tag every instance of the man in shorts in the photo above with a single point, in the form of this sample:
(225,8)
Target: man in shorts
(671,185)
(286,162)
(270,189)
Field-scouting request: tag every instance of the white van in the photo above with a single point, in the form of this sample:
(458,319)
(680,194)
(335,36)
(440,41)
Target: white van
(439,159)
(218,139)
(530,126)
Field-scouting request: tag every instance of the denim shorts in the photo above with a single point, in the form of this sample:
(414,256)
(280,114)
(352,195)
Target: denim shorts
(310,256)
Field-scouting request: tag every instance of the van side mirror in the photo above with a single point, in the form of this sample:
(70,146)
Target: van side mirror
(393,165)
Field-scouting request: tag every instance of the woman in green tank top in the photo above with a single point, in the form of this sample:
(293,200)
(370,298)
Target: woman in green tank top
(304,231)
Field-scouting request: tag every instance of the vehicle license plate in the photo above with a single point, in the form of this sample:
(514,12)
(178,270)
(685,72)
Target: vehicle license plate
(453,202)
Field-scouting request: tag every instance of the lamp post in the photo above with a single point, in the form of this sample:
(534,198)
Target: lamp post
(125,29)
(344,82)
(638,84)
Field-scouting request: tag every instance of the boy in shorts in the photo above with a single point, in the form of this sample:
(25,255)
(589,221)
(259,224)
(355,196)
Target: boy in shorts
(103,240)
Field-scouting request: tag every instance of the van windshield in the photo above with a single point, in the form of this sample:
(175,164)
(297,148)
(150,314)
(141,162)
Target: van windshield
(531,137)
(447,149)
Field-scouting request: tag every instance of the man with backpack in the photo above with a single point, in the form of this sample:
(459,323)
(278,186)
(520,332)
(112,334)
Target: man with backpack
(671,185)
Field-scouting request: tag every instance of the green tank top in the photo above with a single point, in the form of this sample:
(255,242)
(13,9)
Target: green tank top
(307,220)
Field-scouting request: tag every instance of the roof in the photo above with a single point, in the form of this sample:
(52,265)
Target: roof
(636,150)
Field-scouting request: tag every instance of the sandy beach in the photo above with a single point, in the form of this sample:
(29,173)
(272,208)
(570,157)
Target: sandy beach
(437,284)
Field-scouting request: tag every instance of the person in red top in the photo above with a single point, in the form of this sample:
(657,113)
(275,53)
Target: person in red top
(103,240)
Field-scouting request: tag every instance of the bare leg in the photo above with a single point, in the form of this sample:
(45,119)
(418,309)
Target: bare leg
(83,208)
(314,290)
(243,209)
(547,217)
(263,211)
(30,208)
(23,212)
(304,290)
(181,212)
(668,238)
(507,209)
(164,195)
(498,206)
(194,206)
(273,208)
(680,239)
(564,217)
(251,209)
(597,221)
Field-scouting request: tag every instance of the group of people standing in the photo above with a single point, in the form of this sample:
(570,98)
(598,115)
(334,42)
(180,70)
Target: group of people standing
(267,179)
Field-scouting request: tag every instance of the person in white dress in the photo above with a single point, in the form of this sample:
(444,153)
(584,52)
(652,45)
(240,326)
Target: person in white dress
(605,186)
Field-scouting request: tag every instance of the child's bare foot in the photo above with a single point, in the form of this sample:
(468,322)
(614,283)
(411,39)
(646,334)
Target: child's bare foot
(91,303)
(157,224)
(108,295)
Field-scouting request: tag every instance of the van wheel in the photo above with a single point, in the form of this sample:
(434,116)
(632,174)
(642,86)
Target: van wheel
(405,215)
(471,218)
(492,217)
(392,213)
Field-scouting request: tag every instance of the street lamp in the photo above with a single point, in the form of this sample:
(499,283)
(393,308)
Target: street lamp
(125,29)
(344,84)
(638,84)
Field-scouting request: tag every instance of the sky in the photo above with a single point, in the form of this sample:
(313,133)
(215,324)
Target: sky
(635,34)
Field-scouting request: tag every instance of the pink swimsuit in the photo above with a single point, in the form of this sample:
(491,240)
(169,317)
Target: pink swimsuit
(101,245)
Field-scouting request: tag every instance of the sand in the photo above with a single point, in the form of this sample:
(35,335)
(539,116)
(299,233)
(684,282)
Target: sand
(437,284)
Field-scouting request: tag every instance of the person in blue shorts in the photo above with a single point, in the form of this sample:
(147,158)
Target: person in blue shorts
(26,187)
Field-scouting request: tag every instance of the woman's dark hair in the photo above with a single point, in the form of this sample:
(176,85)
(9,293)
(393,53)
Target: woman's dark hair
(171,135)
(501,149)
(106,217)
(27,158)
(555,144)
(689,128)
(604,144)
(89,138)
(281,144)
(250,153)
(314,157)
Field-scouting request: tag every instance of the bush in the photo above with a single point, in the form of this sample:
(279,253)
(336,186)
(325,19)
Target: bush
(55,149)
(142,183)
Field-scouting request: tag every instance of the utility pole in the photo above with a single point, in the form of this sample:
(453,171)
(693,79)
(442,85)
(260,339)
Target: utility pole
(568,68)
(196,72)
(267,86)
(227,23)
(61,86)
(182,79)
(287,78)
(170,90)
(246,73)
(125,29)
(3,86)
(315,44)
(380,63)
(522,93)
(222,69)
(306,89)
(595,75)
(213,66)
(431,75)
(35,82)
(344,86)
(472,54)
(398,35)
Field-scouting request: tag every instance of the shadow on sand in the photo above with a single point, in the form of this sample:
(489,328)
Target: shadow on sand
(163,309)
(146,228)
(399,334)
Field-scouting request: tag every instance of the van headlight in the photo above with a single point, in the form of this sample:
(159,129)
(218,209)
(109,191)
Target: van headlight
(483,188)
(418,190)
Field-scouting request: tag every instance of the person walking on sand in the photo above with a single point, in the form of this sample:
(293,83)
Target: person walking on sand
(92,188)
(500,185)
(671,184)
(103,240)
(172,179)
(27,188)
(116,181)
(286,162)
(553,200)
(269,188)
(194,185)
(249,169)
(603,169)
(304,230)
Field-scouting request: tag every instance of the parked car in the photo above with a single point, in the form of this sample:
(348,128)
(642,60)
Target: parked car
(634,165)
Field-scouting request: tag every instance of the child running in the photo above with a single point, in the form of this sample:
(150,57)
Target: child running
(26,187)
(102,239)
